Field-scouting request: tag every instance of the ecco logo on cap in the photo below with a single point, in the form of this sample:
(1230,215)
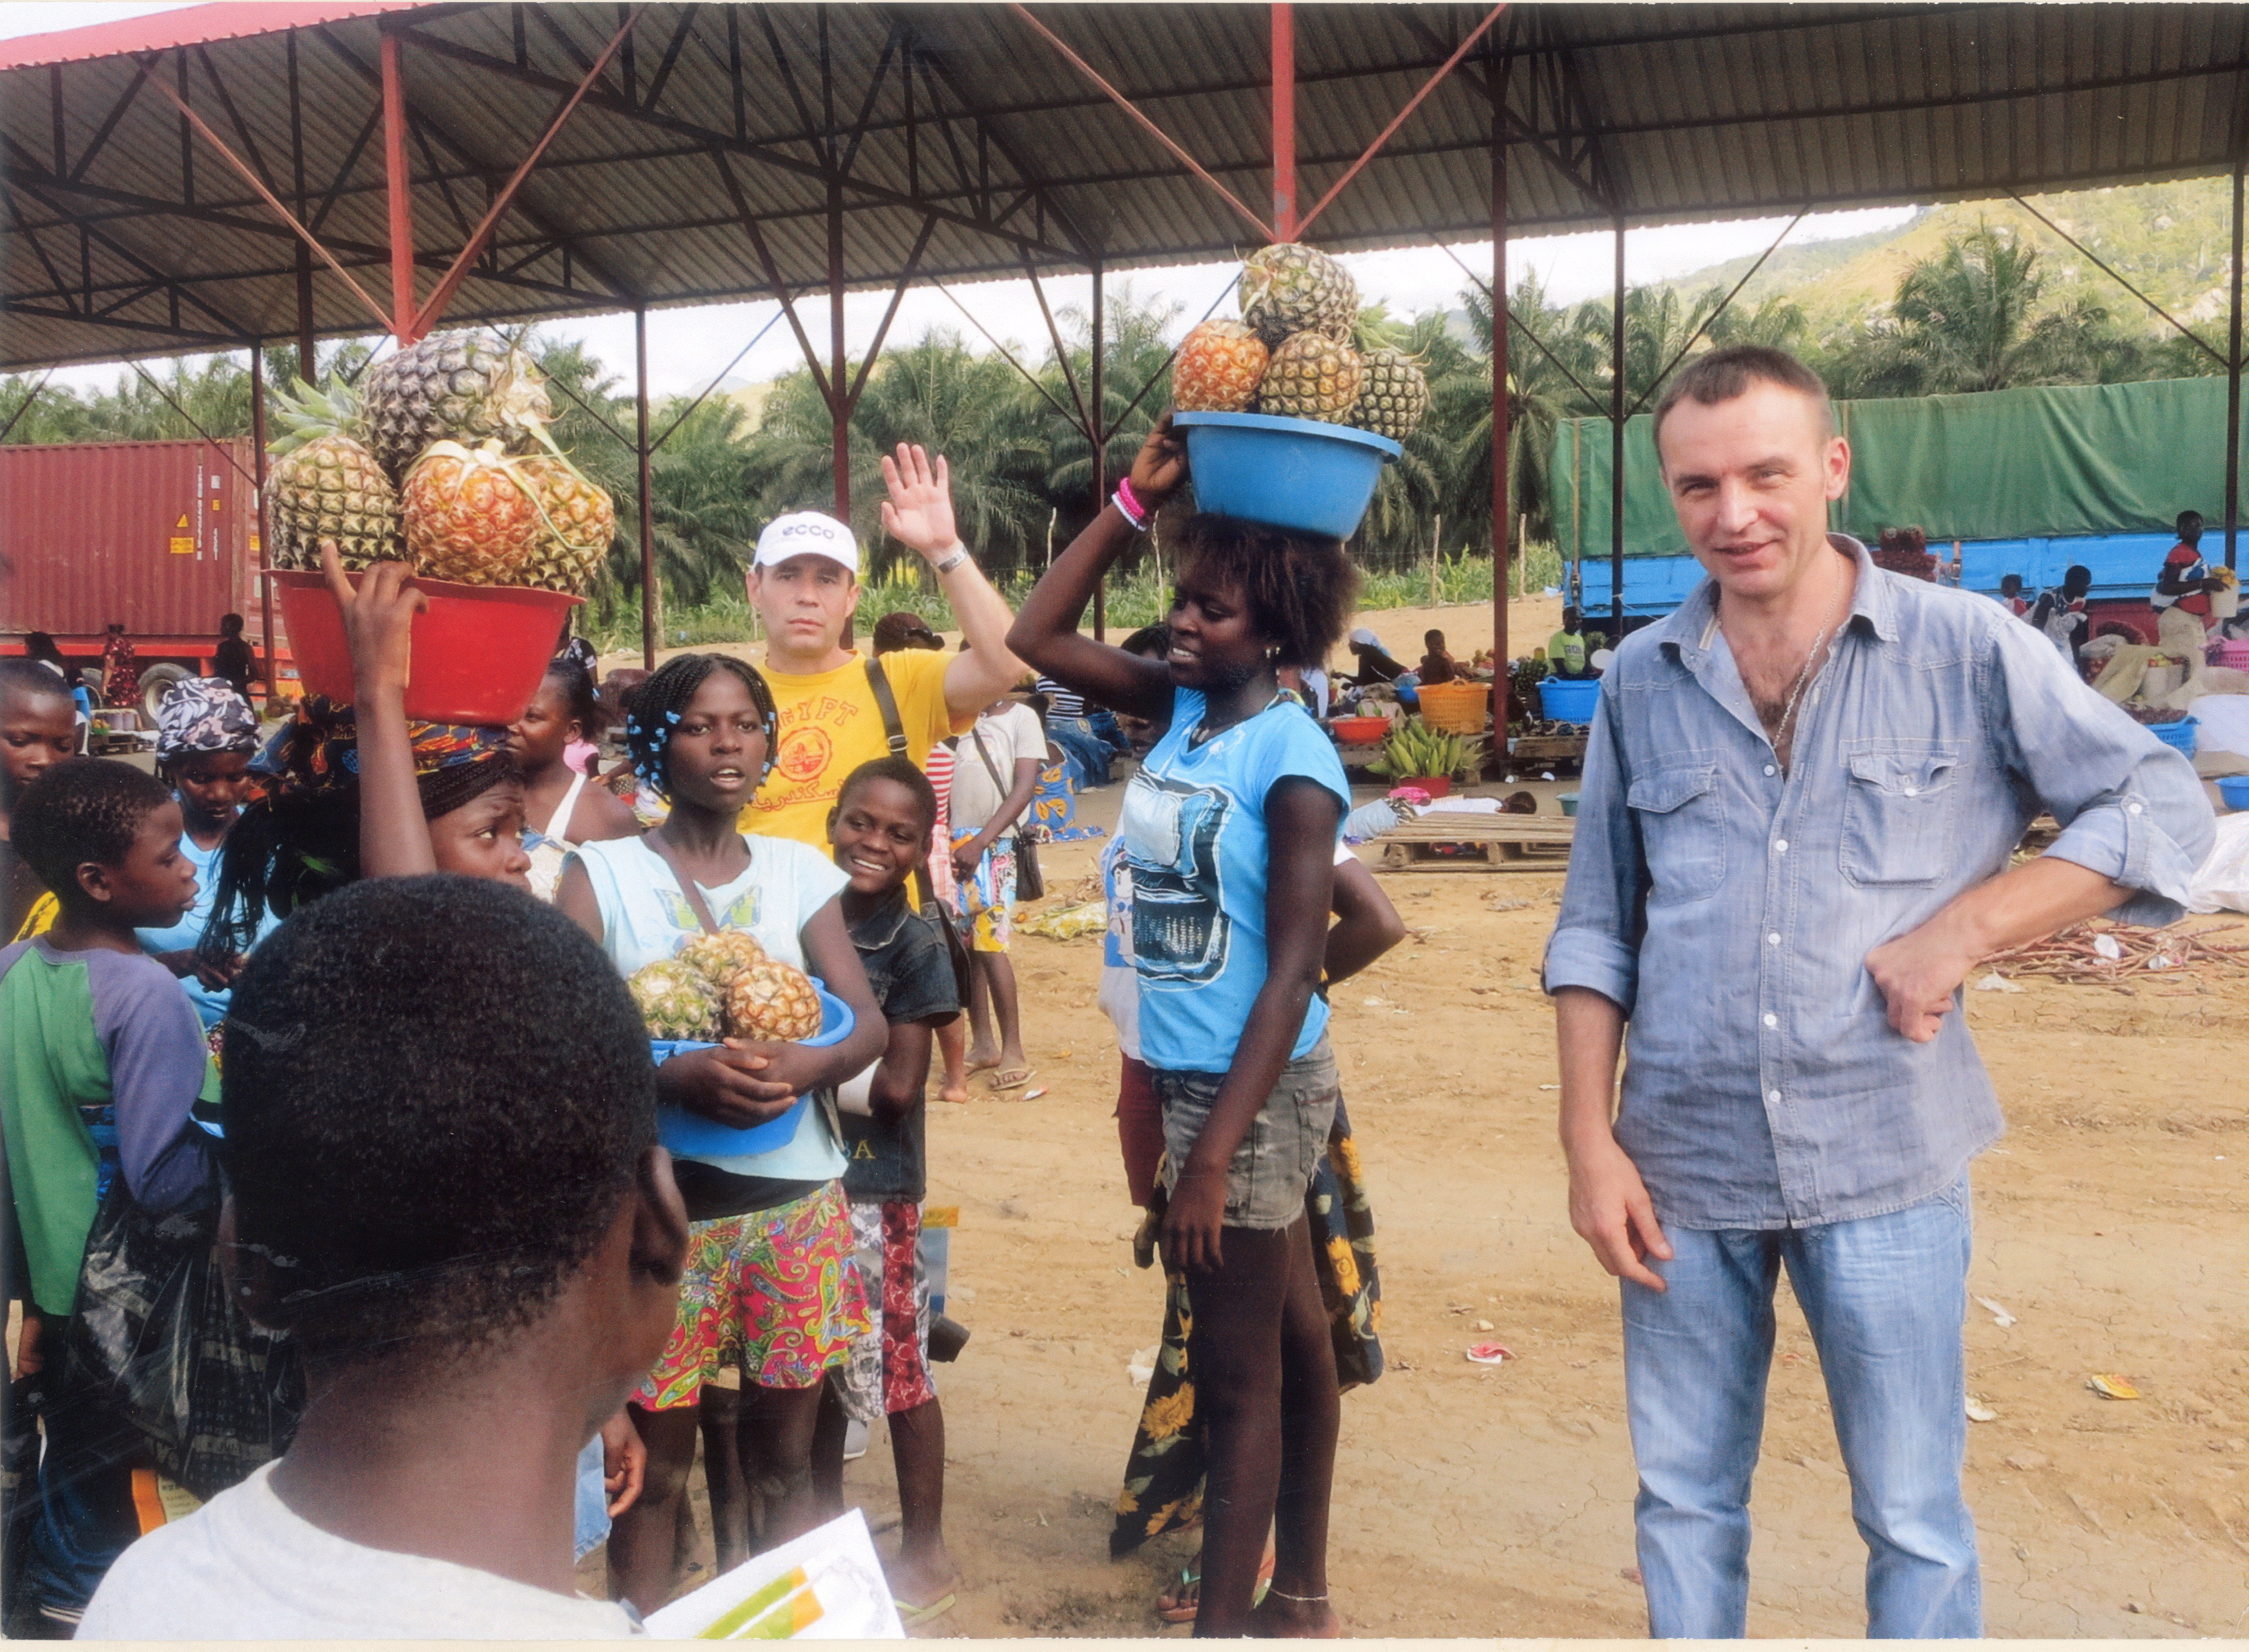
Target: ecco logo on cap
(806,533)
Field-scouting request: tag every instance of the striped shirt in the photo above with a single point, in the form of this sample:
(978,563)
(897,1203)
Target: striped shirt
(1061,701)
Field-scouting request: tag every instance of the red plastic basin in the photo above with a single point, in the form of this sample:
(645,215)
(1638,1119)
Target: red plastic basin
(478,650)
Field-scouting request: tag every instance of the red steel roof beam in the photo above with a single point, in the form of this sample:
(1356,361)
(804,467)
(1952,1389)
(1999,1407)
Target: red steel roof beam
(399,184)
(1147,125)
(1402,116)
(1284,120)
(427,317)
(271,200)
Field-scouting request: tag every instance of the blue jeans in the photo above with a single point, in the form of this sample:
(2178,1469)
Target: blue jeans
(1885,1297)
(590,1505)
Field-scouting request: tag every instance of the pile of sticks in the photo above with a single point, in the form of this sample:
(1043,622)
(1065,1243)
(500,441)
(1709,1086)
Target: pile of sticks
(2076,957)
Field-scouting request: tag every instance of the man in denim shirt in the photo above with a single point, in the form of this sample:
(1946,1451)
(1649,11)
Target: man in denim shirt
(1800,798)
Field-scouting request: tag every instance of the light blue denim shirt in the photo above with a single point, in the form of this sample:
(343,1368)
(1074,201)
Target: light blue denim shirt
(1729,908)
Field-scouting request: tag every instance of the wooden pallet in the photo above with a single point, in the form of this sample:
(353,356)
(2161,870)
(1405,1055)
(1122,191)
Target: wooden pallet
(1548,748)
(1508,842)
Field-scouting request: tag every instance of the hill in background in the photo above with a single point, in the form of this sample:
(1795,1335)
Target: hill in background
(2170,240)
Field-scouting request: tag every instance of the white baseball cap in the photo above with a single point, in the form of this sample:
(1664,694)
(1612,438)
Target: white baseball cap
(806,533)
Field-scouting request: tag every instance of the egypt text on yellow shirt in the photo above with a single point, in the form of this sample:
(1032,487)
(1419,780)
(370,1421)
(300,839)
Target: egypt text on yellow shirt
(830,723)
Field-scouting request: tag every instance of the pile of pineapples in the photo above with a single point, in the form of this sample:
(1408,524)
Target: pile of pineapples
(442,460)
(1297,352)
(725,985)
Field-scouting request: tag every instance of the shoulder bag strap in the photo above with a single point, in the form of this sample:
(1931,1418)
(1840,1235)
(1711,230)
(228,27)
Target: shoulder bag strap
(990,767)
(688,887)
(894,727)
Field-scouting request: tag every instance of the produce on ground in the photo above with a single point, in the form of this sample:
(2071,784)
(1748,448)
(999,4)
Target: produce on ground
(1414,748)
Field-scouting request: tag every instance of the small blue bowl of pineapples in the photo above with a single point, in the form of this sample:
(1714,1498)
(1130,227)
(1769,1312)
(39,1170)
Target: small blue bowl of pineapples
(697,1137)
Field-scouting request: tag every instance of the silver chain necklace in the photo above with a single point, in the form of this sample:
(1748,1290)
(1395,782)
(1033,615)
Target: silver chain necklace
(1781,729)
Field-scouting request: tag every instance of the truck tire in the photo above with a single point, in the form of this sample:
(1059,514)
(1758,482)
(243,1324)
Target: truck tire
(155,683)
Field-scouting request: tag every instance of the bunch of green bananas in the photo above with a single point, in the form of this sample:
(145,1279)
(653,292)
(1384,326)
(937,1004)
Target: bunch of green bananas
(1415,749)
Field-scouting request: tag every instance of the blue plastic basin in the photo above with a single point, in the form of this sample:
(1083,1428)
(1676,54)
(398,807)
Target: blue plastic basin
(700,1138)
(1569,701)
(2234,788)
(1298,474)
(2178,735)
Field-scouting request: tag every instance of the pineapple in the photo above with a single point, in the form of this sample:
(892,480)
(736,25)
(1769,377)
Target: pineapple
(577,521)
(1218,369)
(1311,376)
(470,517)
(718,957)
(1289,288)
(324,486)
(772,1002)
(675,1000)
(1392,394)
(457,386)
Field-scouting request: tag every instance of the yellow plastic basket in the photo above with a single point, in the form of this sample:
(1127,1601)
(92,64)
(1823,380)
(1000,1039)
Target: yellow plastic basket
(1457,707)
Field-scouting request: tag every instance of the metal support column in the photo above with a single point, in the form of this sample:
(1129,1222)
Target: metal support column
(1098,418)
(2233,380)
(305,346)
(257,462)
(1284,121)
(1500,411)
(651,595)
(399,183)
(839,400)
(1616,447)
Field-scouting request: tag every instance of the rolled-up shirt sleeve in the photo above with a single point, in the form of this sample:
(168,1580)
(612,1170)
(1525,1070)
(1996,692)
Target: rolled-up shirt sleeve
(2131,808)
(1596,939)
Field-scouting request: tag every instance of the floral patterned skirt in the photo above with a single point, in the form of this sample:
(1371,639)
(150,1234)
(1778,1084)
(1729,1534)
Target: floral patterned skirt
(773,1291)
(1163,1475)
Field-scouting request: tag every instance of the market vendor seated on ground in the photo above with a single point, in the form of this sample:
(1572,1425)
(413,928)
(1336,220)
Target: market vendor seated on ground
(1438,664)
(2184,581)
(1567,650)
(1373,660)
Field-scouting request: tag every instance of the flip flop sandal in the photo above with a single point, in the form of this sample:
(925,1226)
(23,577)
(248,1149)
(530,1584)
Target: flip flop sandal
(1012,1078)
(1189,1576)
(911,1615)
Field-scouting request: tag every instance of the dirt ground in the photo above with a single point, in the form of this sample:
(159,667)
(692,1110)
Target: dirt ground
(1475,1501)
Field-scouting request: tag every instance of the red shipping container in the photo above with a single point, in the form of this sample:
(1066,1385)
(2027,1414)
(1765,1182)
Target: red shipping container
(161,537)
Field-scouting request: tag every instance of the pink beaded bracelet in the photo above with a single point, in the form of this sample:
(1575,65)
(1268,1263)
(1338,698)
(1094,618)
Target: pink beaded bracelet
(1129,506)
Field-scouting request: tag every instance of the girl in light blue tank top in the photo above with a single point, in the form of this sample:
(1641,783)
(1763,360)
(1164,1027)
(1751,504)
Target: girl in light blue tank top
(769,1285)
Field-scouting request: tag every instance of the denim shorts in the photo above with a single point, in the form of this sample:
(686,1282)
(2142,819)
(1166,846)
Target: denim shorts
(1272,1166)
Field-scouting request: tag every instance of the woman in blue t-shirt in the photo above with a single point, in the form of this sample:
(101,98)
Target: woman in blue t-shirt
(1229,833)
(206,734)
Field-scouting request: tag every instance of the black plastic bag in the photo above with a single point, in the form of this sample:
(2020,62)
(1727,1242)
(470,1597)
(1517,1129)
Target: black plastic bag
(156,1341)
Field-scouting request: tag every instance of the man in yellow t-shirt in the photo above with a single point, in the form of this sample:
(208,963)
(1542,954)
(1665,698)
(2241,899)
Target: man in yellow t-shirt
(804,584)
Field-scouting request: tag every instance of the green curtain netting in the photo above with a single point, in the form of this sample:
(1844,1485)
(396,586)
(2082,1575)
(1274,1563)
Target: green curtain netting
(2006,464)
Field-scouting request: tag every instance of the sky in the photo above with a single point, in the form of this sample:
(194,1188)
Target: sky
(686,347)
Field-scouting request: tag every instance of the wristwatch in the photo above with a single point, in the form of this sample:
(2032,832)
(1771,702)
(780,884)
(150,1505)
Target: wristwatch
(950,562)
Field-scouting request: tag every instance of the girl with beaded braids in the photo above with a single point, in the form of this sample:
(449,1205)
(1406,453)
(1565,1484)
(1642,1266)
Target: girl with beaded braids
(769,1285)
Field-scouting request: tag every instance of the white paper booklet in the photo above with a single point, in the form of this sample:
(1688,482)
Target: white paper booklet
(827,1585)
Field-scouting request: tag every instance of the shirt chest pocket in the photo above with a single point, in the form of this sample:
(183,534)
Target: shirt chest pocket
(1682,831)
(1900,805)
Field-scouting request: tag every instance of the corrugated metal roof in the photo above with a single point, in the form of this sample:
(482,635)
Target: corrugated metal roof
(122,240)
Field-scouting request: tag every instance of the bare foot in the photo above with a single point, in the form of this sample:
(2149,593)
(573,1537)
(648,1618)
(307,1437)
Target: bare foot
(980,1059)
(1278,1618)
(956,1094)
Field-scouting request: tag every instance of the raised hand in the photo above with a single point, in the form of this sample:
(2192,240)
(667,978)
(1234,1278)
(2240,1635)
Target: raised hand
(1161,466)
(378,621)
(919,513)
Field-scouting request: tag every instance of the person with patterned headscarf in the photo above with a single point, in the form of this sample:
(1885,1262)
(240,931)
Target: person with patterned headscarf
(206,734)
(363,790)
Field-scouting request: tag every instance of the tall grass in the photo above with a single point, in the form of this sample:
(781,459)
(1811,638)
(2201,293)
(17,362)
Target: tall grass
(1130,601)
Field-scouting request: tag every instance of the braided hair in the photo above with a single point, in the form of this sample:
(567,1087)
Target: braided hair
(574,686)
(657,703)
